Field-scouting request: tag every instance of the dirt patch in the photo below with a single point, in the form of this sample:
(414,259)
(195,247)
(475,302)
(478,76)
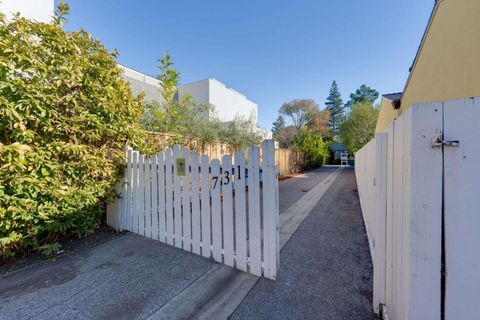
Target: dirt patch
(69,246)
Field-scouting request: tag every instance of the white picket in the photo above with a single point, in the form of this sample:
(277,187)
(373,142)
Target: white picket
(177,199)
(148,203)
(154,196)
(240,212)
(205,208)
(161,198)
(270,210)
(141,196)
(196,231)
(216,211)
(136,192)
(128,192)
(169,195)
(254,234)
(186,213)
(227,206)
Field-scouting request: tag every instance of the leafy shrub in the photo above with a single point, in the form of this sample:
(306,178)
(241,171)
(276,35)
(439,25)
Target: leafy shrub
(65,115)
(315,150)
(359,128)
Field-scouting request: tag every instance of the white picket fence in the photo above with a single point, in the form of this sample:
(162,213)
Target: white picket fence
(417,185)
(224,210)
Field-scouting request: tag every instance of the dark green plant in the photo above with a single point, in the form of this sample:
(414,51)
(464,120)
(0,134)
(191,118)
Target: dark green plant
(335,105)
(315,150)
(65,116)
(359,128)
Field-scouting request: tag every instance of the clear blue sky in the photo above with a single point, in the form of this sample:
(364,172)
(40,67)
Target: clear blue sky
(270,50)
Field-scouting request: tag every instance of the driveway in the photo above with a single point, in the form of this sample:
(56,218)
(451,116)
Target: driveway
(325,272)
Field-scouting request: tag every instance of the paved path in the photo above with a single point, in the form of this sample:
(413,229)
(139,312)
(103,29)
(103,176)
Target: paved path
(325,271)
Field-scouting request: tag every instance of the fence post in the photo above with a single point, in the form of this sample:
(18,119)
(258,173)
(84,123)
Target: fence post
(270,210)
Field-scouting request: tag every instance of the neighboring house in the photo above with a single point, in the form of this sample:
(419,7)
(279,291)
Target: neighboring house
(227,103)
(39,10)
(447,64)
(389,110)
(336,150)
(140,82)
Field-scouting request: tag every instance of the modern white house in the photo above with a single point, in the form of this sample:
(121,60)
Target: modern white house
(140,82)
(39,10)
(226,103)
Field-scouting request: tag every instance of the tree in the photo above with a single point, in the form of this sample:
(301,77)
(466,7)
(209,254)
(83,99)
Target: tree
(65,117)
(297,115)
(359,128)
(186,118)
(240,133)
(321,124)
(300,112)
(364,94)
(278,125)
(285,136)
(337,109)
(171,113)
(314,149)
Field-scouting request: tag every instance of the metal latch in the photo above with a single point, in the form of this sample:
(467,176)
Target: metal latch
(438,141)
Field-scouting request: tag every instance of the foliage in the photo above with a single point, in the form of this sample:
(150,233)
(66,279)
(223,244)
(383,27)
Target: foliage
(315,150)
(171,114)
(65,116)
(278,125)
(240,133)
(300,112)
(182,116)
(359,128)
(297,115)
(321,124)
(364,94)
(337,109)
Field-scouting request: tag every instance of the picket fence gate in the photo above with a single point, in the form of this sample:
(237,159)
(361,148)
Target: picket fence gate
(224,210)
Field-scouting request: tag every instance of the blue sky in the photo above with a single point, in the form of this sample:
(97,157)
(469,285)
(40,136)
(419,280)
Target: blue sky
(271,51)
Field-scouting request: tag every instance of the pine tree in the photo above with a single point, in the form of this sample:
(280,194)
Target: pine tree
(336,107)
(278,125)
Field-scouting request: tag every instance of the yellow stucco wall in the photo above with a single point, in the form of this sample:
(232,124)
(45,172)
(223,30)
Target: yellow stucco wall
(448,64)
(386,115)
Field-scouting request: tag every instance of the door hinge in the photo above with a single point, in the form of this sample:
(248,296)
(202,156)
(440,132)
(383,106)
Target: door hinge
(438,141)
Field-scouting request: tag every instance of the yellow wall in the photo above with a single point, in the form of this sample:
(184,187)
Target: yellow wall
(386,115)
(448,64)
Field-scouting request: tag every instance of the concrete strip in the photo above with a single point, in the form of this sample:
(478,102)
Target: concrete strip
(218,293)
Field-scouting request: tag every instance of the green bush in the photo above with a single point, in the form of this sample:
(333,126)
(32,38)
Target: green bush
(315,150)
(65,116)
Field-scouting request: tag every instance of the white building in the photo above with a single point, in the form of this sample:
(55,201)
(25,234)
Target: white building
(140,82)
(39,10)
(227,103)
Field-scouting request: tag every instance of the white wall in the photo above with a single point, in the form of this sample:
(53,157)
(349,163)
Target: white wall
(228,103)
(40,10)
(140,82)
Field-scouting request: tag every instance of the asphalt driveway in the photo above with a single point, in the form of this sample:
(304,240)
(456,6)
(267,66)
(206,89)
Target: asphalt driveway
(325,270)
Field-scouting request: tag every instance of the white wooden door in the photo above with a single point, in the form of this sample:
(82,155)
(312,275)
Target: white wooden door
(462,209)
